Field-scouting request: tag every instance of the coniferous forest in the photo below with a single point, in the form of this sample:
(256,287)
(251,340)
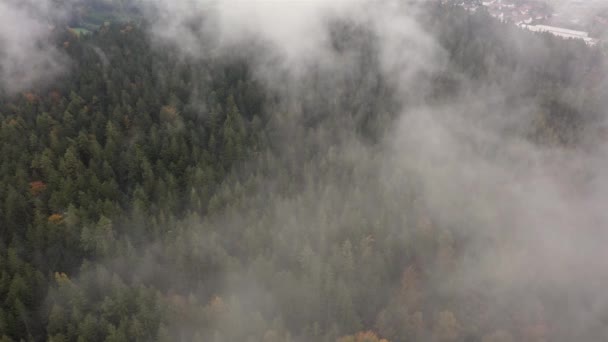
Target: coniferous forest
(147,194)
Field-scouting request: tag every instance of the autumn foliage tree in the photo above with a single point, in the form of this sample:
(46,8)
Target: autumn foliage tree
(37,187)
(366,336)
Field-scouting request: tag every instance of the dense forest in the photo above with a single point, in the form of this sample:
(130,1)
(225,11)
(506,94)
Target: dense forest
(150,196)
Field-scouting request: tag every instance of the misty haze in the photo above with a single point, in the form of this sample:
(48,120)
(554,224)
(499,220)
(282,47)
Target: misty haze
(304,170)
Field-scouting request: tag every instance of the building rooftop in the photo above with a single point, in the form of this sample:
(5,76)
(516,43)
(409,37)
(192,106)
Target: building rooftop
(562,32)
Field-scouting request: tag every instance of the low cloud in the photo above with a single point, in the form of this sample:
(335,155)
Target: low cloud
(27,54)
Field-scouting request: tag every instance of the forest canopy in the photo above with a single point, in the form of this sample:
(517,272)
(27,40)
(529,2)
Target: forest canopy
(404,172)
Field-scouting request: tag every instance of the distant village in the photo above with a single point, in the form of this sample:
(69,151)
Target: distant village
(586,20)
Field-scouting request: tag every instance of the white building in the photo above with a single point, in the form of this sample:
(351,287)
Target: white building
(562,32)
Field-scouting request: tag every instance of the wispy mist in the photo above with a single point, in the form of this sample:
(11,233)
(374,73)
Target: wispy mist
(27,54)
(531,214)
(469,201)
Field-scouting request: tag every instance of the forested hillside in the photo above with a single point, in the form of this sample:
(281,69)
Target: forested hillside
(150,196)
